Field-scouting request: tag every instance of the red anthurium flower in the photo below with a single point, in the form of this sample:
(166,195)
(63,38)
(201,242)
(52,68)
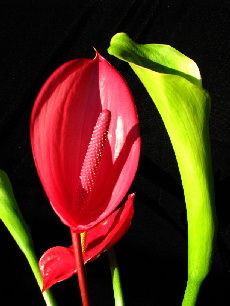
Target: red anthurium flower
(85,141)
(58,263)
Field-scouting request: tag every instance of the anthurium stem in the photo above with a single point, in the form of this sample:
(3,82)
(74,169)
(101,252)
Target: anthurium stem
(76,239)
(117,288)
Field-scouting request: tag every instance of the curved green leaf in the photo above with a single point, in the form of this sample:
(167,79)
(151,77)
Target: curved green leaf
(174,84)
(156,57)
(11,216)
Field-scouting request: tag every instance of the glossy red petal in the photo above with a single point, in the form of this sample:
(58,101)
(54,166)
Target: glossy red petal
(56,265)
(106,234)
(62,122)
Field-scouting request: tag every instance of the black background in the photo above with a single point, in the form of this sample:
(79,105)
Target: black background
(36,37)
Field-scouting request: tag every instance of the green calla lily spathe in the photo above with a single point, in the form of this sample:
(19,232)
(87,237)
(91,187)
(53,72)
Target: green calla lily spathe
(174,83)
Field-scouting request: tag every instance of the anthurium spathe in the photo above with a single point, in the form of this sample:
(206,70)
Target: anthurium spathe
(85,141)
(58,263)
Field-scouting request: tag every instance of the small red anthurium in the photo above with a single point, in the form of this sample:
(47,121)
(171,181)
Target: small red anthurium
(85,141)
(58,263)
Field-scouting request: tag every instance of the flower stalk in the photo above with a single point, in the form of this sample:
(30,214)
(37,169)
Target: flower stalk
(76,239)
(117,287)
(191,293)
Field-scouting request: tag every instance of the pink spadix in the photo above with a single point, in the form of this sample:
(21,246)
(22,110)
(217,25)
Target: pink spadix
(93,157)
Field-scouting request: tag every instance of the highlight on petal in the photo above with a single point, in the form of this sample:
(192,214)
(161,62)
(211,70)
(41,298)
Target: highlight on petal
(63,119)
(56,265)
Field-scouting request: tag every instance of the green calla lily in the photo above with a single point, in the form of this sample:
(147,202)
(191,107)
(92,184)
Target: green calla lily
(11,216)
(174,83)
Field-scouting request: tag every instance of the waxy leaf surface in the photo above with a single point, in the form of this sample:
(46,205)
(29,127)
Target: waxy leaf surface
(173,81)
(11,216)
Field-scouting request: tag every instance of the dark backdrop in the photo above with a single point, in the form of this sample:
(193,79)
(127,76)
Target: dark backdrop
(36,37)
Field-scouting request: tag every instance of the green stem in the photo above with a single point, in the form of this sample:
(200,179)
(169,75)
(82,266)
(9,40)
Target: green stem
(117,288)
(33,262)
(191,293)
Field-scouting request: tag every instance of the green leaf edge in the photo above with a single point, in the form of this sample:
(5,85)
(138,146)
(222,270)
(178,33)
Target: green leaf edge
(150,56)
(11,216)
